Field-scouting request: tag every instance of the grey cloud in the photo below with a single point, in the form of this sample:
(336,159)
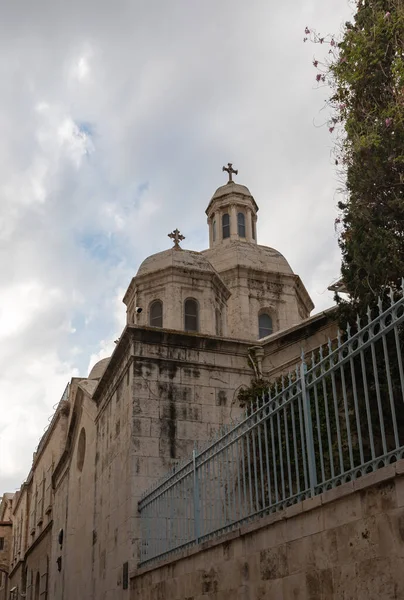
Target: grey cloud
(169,91)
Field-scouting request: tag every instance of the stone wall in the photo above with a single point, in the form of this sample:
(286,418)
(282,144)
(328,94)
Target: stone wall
(346,544)
(6,532)
(161,393)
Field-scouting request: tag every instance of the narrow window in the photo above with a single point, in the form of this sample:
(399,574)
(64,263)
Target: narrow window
(37,585)
(264,325)
(219,328)
(214,230)
(226,225)
(241,224)
(253,229)
(1,543)
(81,449)
(156,314)
(191,315)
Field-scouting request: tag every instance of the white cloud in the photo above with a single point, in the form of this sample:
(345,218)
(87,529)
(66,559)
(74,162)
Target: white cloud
(116,119)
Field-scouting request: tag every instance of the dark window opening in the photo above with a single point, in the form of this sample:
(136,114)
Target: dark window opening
(191,315)
(156,314)
(264,325)
(219,326)
(226,225)
(241,224)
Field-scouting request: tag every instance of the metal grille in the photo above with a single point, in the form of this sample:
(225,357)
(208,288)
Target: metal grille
(339,415)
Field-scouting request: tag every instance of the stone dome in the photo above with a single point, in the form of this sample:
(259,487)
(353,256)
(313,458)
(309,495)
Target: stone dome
(237,253)
(182,259)
(98,369)
(231,188)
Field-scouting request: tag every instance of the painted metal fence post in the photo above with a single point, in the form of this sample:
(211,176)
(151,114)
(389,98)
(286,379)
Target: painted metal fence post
(308,426)
(196,498)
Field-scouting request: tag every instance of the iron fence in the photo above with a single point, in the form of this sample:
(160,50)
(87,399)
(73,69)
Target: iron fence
(339,415)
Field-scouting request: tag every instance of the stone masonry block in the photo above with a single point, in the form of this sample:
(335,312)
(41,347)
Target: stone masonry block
(205,395)
(390,528)
(358,538)
(399,485)
(141,426)
(145,446)
(376,477)
(375,580)
(380,498)
(293,587)
(273,563)
(344,578)
(304,524)
(191,430)
(342,511)
(215,415)
(219,378)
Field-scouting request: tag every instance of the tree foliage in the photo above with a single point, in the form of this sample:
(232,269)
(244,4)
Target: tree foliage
(365,70)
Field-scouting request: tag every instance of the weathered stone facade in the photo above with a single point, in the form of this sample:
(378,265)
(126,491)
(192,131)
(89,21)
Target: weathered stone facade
(75,520)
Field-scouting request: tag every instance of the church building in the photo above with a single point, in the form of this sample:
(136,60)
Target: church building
(201,326)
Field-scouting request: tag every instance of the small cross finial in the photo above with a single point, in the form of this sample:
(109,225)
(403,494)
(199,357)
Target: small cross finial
(177,238)
(230,171)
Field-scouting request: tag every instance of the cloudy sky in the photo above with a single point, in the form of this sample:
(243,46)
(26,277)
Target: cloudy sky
(115,120)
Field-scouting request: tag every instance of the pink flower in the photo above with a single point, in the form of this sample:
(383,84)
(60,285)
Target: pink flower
(342,106)
(331,129)
(315,63)
(332,42)
(318,77)
(307,31)
(387,16)
(388,121)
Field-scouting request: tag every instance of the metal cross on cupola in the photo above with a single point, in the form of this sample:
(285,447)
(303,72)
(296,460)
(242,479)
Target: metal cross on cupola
(230,171)
(177,238)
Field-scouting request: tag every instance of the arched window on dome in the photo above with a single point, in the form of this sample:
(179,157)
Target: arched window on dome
(253,229)
(214,230)
(156,314)
(241,224)
(226,225)
(191,315)
(264,325)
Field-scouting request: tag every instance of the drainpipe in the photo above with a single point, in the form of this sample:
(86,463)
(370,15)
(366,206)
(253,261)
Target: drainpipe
(256,354)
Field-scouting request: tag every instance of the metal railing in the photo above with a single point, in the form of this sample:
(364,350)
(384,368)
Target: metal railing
(339,415)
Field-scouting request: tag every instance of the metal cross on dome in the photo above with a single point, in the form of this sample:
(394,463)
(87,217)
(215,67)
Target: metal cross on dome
(230,171)
(176,237)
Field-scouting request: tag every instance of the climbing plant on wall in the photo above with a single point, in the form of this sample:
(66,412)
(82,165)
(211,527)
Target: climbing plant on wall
(365,72)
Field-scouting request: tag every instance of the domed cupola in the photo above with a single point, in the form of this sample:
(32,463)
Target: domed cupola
(178,289)
(232,213)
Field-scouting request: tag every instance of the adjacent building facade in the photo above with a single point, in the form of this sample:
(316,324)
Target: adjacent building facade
(200,327)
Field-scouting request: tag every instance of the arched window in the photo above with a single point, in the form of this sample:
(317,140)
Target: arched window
(214,230)
(219,325)
(191,315)
(156,314)
(264,325)
(253,229)
(226,225)
(81,449)
(241,224)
